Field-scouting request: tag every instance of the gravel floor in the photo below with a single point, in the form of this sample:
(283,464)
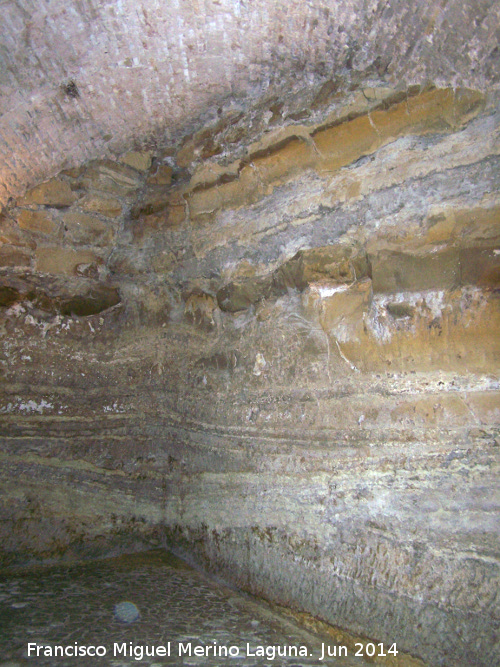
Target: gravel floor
(184,619)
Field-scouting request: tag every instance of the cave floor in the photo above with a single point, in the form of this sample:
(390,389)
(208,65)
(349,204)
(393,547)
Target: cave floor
(72,605)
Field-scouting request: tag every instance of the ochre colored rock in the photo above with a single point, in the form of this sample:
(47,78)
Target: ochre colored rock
(186,154)
(84,229)
(246,189)
(477,224)
(55,193)
(442,227)
(438,110)
(210,148)
(327,438)
(10,233)
(140,160)
(146,225)
(243,293)
(345,143)
(395,271)
(480,266)
(329,149)
(448,330)
(281,162)
(340,263)
(169,204)
(244,269)
(11,255)
(155,199)
(208,174)
(112,177)
(340,309)
(471,226)
(37,221)
(206,200)
(107,206)
(162,175)
(176,212)
(62,260)
(245,184)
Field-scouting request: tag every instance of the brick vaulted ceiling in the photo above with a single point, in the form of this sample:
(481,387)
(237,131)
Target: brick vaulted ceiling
(81,79)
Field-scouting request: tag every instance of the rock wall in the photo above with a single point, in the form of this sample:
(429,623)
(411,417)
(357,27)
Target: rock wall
(276,353)
(86,78)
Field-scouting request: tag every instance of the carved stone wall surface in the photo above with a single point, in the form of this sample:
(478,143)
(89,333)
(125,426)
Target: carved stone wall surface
(249,302)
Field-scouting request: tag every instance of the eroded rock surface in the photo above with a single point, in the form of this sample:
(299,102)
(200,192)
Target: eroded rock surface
(277,353)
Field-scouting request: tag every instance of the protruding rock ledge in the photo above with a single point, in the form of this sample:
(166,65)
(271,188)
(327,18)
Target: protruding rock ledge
(79,297)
